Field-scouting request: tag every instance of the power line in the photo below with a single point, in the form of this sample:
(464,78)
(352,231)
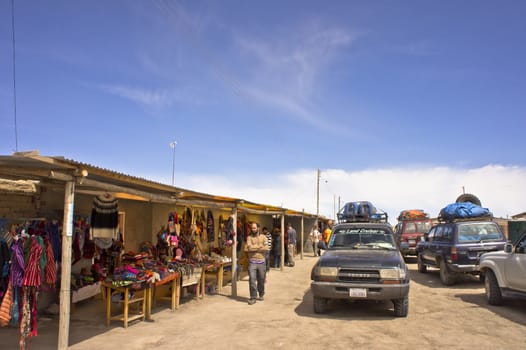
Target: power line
(14,71)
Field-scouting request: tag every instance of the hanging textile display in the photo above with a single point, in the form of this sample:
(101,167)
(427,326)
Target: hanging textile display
(105,217)
(210,227)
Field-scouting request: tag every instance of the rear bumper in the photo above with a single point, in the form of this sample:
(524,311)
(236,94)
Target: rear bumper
(457,268)
(337,290)
(408,251)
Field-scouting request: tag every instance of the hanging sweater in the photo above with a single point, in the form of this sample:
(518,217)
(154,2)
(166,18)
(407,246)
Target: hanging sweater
(104,216)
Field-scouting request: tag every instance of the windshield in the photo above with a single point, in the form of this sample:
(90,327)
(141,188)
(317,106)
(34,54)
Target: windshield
(361,238)
(476,232)
(417,227)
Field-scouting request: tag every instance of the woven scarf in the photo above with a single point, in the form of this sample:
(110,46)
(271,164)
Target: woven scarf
(17,264)
(32,276)
(51,267)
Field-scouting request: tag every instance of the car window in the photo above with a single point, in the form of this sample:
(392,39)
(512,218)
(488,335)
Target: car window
(423,226)
(478,231)
(438,233)
(431,234)
(448,230)
(361,238)
(521,245)
(410,227)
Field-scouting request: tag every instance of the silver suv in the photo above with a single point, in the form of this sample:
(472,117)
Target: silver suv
(505,271)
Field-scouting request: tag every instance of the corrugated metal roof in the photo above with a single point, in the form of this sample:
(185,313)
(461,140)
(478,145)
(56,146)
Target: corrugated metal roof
(33,166)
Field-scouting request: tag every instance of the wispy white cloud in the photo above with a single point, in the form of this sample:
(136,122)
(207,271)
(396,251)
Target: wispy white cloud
(500,188)
(290,64)
(154,98)
(285,71)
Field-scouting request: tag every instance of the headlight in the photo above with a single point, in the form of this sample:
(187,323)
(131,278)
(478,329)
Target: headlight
(328,271)
(325,273)
(392,274)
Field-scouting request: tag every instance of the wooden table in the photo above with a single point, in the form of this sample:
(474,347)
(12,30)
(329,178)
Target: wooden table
(198,278)
(174,279)
(219,270)
(144,312)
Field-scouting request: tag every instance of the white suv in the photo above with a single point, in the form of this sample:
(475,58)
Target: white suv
(505,272)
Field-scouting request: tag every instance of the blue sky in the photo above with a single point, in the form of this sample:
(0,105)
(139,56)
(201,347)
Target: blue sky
(397,102)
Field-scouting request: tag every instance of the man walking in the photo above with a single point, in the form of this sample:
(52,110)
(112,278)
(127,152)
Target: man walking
(291,233)
(256,248)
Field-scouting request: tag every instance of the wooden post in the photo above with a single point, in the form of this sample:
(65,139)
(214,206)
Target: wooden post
(301,234)
(234,254)
(282,240)
(65,277)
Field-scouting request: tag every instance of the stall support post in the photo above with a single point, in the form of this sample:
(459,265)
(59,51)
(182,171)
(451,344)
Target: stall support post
(282,240)
(234,254)
(302,227)
(65,278)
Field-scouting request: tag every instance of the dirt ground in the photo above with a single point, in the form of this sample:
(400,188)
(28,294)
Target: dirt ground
(439,317)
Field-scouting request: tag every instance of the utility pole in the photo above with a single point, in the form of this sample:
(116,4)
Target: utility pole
(172,146)
(317,194)
(334,206)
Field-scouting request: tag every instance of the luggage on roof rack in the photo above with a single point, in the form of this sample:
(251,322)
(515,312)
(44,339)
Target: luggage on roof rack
(412,214)
(362,211)
(463,211)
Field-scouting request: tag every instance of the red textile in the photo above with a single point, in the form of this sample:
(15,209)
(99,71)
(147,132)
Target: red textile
(32,275)
(51,267)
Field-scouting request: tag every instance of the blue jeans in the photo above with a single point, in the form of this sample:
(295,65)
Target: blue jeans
(277,261)
(256,279)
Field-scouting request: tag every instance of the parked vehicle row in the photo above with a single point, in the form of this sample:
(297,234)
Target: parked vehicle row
(365,258)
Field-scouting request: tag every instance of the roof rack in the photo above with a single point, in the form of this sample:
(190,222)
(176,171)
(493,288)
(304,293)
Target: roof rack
(413,214)
(458,219)
(361,212)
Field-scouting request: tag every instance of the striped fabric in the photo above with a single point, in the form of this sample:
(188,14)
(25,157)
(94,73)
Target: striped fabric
(51,267)
(32,276)
(17,264)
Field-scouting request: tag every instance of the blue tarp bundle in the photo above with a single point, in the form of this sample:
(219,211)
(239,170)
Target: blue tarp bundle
(463,210)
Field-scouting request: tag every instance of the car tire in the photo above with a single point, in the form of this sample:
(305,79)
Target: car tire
(446,277)
(320,305)
(493,293)
(401,306)
(422,268)
(468,197)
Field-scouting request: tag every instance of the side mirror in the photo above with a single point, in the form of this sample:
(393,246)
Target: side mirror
(404,245)
(508,248)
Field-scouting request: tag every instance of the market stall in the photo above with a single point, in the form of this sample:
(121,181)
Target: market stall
(61,189)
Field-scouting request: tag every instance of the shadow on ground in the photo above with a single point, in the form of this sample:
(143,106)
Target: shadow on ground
(431,279)
(88,320)
(512,309)
(362,310)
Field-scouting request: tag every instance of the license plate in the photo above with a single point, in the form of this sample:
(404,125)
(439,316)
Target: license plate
(411,242)
(358,293)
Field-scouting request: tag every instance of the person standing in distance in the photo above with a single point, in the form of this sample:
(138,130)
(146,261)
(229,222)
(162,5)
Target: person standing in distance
(269,243)
(315,239)
(291,233)
(256,248)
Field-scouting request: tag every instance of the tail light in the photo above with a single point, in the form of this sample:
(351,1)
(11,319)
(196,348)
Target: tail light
(454,256)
